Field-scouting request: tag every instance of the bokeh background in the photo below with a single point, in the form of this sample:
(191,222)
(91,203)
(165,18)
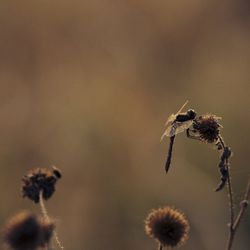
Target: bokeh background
(87,86)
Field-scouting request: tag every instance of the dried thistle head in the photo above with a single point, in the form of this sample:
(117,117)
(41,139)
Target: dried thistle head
(40,180)
(208,127)
(167,226)
(22,232)
(26,231)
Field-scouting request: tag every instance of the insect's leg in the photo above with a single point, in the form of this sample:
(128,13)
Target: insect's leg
(170,150)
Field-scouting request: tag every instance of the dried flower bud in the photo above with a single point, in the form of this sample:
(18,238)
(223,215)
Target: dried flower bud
(26,231)
(223,168)
(168,226)
(208,127)
(40,180)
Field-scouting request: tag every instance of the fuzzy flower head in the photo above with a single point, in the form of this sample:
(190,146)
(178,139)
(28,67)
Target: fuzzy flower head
(26,231)
(167,226)
(208,127)
(40,180)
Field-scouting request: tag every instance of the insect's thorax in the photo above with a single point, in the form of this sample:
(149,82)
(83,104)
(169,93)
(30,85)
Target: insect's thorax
(183,117)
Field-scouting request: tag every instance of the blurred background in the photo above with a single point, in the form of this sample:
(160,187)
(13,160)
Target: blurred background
(88,85)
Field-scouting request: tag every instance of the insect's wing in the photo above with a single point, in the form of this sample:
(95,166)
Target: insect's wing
(183,106)
(170,131)
(171,118)
(182,126)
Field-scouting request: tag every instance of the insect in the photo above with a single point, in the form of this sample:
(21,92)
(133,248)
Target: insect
(177,123)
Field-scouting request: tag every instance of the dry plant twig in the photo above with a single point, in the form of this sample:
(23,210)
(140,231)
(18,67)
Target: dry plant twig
(46,217)
(233,228)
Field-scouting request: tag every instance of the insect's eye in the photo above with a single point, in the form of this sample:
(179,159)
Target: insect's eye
(192,113)
(57,172)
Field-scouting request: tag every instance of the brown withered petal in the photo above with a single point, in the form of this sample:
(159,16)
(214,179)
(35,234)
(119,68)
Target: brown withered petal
(167,226)
(208,127)
(37,180)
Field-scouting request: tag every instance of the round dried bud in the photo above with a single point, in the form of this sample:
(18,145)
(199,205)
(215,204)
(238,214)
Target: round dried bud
(26,231)
(23,232)
(167,226)
(39,180)
(208,127)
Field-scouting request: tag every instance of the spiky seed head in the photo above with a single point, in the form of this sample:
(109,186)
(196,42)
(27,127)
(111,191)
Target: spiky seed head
(208,127)
(26,231)
(22,232)
(39,180)
(167,226)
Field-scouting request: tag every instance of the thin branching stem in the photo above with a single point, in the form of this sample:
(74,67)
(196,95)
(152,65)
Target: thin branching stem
(230,194)
(231,226)
(244,204)
(231,201)
(234,223)
(46,217)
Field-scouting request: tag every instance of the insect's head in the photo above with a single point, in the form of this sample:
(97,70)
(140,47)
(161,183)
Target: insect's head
(191,113)
(57,173)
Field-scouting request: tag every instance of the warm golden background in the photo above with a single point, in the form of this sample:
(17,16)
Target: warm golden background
(88,85)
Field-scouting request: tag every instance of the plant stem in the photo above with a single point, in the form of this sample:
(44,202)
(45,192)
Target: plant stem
(229,188)
(46,217)
(43,208)
(231,202)
(160,247)
(230,194)
(234,223)
(244,204)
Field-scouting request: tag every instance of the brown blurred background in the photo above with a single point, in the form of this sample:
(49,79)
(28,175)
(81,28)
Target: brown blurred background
(87,86)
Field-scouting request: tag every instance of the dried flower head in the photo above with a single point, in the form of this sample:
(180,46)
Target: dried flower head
(168,226)
(208,127)
(26,231)
(40,180)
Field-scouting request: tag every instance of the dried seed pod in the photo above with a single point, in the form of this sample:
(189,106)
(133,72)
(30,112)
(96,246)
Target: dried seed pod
(167,226)
(208,127)
(26,231)
(40,180)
